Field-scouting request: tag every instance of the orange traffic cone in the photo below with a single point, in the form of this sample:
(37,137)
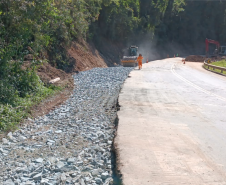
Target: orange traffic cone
(147,61)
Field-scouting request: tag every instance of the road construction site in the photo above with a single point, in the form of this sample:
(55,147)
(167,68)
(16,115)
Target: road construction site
(172,125)
(171,130)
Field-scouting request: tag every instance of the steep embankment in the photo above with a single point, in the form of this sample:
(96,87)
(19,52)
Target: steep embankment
(83,56)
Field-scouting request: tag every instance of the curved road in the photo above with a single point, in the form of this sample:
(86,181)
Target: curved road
(172,125)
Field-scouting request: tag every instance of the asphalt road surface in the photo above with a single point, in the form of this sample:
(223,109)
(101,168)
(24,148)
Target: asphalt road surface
(172,125)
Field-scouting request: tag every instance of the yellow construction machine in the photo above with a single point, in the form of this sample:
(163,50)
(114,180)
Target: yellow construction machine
(131,59)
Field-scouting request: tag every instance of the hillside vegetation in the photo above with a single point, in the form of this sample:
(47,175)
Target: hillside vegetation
(46,29)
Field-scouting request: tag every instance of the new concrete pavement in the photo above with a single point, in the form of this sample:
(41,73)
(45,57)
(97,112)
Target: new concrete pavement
(172,125)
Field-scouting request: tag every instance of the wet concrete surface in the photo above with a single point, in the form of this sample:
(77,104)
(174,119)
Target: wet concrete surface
(172,125)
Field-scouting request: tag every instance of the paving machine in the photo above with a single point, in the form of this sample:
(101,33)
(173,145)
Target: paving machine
(131,59)
(220,50)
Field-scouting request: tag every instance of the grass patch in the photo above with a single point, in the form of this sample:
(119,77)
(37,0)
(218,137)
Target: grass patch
(221,63)
(11,114)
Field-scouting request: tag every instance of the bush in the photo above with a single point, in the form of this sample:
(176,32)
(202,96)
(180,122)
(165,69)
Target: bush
(7,91)
(12,114)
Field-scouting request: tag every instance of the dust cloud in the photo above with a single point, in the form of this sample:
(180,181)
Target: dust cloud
(151,48)
(146,46)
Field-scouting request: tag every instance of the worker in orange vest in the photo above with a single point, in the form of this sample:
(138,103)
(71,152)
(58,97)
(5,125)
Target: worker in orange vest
(139,59)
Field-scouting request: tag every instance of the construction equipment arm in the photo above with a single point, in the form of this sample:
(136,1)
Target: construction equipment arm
(212,42)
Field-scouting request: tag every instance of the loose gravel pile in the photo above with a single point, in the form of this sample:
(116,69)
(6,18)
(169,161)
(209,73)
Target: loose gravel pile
(72,144)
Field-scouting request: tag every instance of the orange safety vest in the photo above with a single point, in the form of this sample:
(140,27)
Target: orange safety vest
(139,59)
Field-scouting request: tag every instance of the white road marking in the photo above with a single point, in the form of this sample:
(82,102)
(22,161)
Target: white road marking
(196,86)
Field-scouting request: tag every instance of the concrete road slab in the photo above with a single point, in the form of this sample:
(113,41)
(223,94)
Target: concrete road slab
(172,125)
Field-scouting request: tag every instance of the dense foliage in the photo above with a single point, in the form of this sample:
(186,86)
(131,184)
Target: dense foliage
(41,28)
(189,28)
(124,19)
(45,29)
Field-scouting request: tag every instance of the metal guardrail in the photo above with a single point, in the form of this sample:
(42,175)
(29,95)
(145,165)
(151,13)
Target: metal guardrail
(222,69)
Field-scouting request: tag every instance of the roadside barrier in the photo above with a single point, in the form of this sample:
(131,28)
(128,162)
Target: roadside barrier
(222,69)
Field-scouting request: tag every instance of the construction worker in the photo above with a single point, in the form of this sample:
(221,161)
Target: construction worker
(139,59)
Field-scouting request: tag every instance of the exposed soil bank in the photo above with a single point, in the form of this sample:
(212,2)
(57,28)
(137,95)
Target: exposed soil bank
(117,177)
(84,56)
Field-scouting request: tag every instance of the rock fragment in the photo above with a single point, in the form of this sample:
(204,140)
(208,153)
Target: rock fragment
(39,160)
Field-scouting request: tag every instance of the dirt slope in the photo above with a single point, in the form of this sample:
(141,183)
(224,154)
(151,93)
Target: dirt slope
(46,73)
(84,56)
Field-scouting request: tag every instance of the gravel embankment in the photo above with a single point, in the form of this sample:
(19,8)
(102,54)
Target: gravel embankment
(72,144)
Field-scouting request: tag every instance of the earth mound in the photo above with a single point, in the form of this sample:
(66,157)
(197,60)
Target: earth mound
(195,58)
